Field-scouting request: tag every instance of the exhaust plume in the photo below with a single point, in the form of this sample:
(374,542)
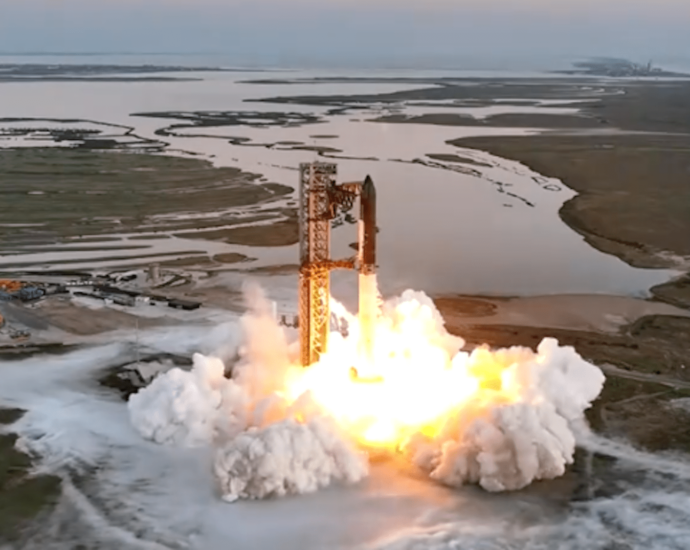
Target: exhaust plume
(500,419)
(506,446)
(285,458)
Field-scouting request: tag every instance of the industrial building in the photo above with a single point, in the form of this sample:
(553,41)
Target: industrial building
(19,290)
(183,304)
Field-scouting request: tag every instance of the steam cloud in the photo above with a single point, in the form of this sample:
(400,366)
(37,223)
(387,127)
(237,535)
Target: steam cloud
(518,429)
(287,457)
(190,409)
(505,447)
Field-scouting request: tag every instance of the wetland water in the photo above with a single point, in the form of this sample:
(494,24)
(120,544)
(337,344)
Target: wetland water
(488,227)
(483,226)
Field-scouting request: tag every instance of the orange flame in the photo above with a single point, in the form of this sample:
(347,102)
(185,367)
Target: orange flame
(416,381)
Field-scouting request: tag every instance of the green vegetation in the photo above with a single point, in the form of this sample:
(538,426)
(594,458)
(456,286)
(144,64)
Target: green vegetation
(633,195)
(283,233)
(50,196)
(22,496)
(456,158)
(507,120)
(71,193)
(653,351)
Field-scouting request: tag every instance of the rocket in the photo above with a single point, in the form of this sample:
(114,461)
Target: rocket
(367,235)
(368,290)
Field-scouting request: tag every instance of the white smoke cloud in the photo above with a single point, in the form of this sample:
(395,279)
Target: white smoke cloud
(265,353)
(287,458)
(414,313)
(506,446)
(516,428)
(260,450)
(190,409)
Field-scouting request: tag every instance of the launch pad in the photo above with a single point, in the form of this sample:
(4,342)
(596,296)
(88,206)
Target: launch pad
(321,199)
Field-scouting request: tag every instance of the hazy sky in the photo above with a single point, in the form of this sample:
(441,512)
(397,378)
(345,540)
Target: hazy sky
(374,31)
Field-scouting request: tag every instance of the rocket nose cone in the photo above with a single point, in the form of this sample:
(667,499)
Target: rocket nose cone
(368,187)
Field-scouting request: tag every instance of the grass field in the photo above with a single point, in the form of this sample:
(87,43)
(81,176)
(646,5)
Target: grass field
(23,496)
(633,196)
(640,408)
(51,196)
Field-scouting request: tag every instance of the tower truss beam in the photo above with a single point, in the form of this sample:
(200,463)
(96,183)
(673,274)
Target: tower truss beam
(320,200)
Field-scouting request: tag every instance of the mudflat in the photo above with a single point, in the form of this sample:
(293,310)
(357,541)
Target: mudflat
(646,396)
(633,202)
(631,173)
(77,198)
(633,194)
(624,147)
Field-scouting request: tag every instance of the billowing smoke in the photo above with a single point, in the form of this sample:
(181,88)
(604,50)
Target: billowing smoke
(506,446)
(287,457)
(500,419)
(191,409)
(261,449)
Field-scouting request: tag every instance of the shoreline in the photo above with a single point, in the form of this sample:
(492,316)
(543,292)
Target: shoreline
(619,214)
(644,358)
(556,90)
(599,313)
(71,208)
(641,344)
(628,167)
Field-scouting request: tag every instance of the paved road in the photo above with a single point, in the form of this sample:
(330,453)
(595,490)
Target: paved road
(644,377)
(18,316)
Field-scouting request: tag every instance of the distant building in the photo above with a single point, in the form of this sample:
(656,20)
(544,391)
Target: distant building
(79,283)
(109,289)
(119,299)
(154,274)
(29,293)
(56,289)
(184,304)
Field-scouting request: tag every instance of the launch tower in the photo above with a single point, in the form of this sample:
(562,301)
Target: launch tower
(320,200)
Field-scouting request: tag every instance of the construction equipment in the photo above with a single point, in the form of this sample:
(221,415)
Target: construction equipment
(9,285)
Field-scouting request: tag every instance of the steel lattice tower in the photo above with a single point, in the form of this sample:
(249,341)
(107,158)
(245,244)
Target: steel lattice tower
(320,199)
(315,253)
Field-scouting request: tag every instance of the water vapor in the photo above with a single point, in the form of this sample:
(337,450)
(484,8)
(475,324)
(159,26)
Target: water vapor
(501,419)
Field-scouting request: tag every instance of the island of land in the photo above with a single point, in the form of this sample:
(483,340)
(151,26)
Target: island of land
(626,152)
